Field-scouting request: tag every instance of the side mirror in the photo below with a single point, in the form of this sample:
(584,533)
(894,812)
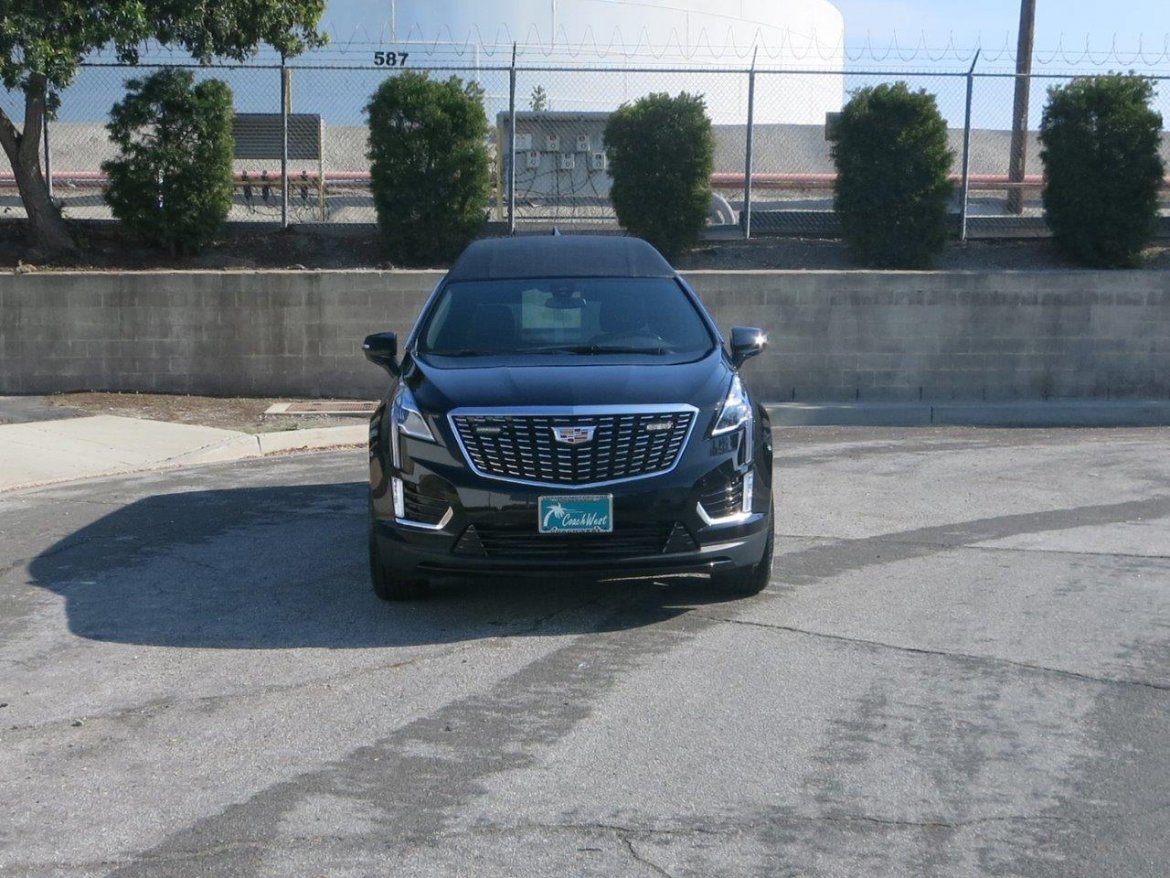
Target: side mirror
(381,349)
(746,342)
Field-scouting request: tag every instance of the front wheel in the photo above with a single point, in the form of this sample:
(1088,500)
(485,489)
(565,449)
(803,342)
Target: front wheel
(751,580)
(388,585)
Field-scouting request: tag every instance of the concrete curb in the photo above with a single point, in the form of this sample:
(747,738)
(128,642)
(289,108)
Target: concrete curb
(313,439)
(1058,413)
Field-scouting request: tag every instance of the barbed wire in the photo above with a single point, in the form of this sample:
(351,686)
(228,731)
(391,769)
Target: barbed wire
(779,47)
(790,45)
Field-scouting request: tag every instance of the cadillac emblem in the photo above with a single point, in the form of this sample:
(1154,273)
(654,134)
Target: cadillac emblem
(573,435)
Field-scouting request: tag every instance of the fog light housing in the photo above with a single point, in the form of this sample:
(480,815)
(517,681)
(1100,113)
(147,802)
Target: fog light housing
(399,498)
(749,484)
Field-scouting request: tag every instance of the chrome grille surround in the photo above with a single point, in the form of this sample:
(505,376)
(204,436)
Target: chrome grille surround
(517,445)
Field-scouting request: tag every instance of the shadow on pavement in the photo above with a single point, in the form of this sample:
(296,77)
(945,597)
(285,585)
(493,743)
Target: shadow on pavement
(285,567)
(23,409)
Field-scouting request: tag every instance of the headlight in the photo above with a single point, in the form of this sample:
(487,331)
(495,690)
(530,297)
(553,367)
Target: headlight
(736,411)
(405,416)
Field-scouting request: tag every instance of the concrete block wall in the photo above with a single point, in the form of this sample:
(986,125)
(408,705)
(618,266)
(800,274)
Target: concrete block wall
(214,333)
(908,336)
(835,336)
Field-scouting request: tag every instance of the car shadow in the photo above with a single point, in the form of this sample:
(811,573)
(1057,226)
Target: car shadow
(285,567)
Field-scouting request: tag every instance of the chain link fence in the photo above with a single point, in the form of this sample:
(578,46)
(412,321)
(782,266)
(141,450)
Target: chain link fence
(549,161)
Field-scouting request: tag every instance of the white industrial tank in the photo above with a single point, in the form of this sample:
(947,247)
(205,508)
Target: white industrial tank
(803,36)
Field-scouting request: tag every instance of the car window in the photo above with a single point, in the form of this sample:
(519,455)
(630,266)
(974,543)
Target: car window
(577,315)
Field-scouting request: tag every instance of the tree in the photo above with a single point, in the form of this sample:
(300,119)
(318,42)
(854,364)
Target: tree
(429,165)
(539,100)
(172,181)
(892,191)
(1102,169)
(661,154)
(43,44)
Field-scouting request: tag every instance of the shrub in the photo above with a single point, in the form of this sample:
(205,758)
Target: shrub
(891,194)
(661,154)
(172,181)
(428,165)
(1102,170)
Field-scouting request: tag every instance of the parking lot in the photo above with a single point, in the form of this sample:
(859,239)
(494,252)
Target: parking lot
(961,668)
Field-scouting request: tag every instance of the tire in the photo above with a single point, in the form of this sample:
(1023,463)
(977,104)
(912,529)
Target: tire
(747,581)
(387,585)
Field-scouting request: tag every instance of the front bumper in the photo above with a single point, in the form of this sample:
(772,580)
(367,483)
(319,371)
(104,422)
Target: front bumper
(410,551)
(457,522)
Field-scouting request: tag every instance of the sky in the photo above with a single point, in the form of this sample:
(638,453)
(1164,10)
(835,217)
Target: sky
(1064,28)
(884,38)
(1113,33)
(881,35)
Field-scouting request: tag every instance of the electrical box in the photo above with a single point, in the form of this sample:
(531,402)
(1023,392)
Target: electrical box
(559,158)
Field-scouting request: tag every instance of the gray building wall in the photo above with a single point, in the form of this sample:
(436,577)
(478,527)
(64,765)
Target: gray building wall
(835,336)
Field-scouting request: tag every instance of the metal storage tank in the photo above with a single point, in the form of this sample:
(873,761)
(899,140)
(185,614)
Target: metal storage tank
(798,35)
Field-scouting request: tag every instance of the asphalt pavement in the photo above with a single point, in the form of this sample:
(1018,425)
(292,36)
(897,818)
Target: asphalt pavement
(961,668)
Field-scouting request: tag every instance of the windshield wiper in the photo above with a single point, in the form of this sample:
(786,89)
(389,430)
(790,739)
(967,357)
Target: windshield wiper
(464,352)
(596,349)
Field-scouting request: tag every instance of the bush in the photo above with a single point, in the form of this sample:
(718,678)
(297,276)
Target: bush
(172,181)
(661,154)
(429,166)
(1102,170)
(891,194)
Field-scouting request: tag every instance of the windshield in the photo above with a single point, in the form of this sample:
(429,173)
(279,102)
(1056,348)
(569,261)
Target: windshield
(651,316)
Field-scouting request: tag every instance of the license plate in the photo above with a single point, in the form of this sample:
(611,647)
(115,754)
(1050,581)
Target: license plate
(592,514)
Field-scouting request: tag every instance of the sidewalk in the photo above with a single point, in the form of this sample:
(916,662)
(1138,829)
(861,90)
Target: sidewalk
(47,452)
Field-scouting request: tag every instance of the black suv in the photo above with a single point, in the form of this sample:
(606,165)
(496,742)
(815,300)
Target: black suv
(564,403)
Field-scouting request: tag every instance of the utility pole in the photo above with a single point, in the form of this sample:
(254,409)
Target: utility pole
(1018,159)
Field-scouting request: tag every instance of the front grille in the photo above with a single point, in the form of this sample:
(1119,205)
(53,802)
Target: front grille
(521,447)
(500,541)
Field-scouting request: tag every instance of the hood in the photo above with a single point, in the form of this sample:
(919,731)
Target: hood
(578,381)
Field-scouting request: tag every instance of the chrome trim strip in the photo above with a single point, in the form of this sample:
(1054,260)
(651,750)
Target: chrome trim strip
(443,522)
(717,548)
(547,410)
(735,518)
(565,410)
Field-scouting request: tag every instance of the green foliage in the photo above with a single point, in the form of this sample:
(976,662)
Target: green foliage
(428,166)
(891,194)
(172,181)
(1102,170)
(50,39)
(43,43)
(661,154)
(539,100)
